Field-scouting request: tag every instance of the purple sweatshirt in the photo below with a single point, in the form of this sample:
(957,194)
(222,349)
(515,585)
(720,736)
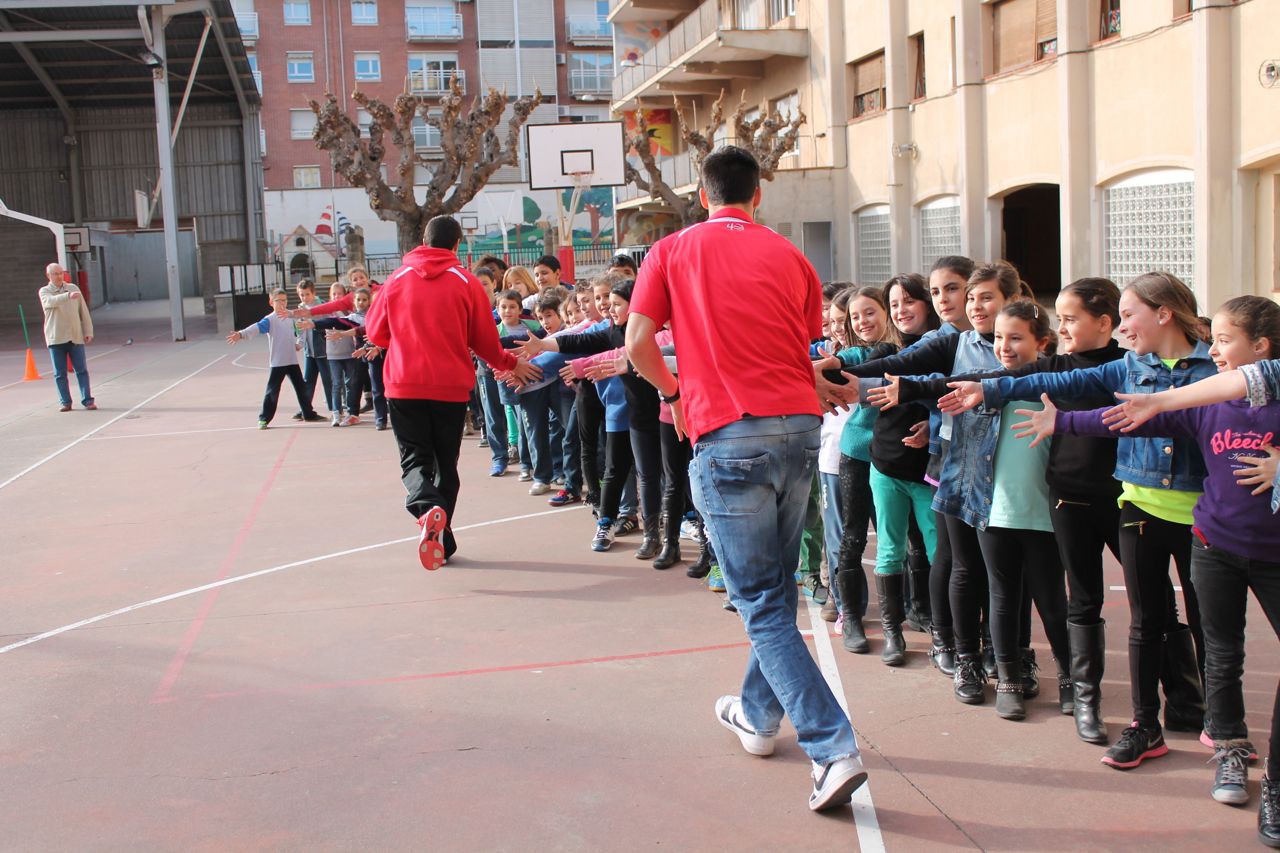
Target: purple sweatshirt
(1227,515)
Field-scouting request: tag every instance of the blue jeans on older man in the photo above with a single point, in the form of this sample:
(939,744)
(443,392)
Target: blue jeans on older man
(751,482)
(58,354)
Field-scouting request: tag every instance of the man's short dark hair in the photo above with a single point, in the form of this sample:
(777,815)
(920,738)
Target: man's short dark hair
(623,261)
(495,262)
(443,232)
(548,261)
(730,175)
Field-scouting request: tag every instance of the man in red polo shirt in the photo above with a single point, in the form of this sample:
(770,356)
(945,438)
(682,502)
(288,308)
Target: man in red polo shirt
(726,285)
(430,315)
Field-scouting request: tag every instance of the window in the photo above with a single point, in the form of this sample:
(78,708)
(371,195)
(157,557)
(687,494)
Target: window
(939,230)
(780,10)
(252,57)
(917,67)
(302,123)
(590,73)
(868,85)
(363,120)
(306,177)
(429,74)
(302,68)
(1108,19)
(297,12)
(364,12)
(953,53)
(429,20)
(1023,32)
(368,66)
(425,135)
(786,108)
(872,237)
(1181,8)
(1148,223)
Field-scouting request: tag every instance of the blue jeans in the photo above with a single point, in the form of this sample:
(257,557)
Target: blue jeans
(58,355)
(564,434)
(832,524)
(376,388)
(317,368)
(535,416)
(495,417)
(751,481)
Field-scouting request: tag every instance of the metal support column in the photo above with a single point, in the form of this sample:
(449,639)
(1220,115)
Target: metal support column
(164,145)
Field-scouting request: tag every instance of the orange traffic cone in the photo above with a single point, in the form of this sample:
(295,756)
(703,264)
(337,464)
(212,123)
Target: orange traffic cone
(31,374)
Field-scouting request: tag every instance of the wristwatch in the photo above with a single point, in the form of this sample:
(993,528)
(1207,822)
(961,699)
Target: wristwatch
(672,398)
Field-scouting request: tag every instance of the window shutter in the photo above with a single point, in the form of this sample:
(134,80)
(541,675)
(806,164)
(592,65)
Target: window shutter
(1046,20)
(869,75)
(1014,33)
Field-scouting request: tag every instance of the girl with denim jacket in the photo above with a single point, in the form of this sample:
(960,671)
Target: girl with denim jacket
(1236,538)
(1161,481)
(989,288)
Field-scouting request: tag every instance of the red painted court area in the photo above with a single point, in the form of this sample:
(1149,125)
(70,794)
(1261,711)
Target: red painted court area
(220,638)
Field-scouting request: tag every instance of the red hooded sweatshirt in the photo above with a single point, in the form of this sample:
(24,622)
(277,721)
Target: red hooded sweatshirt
(430,315)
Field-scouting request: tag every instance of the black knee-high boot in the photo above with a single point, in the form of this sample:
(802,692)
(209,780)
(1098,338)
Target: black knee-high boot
(889,592)
(852,631)
(670,553)
(1180,677)
(1088,658)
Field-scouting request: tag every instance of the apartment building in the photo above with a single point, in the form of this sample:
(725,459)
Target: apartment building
(301,49)
(1073,137)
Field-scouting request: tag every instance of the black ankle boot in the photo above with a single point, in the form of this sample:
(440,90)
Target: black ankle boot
(889,593)
(988,657)
(1009,703)
(1088,656)
(701,567)
(651,542)
(970,679)
(918,617)
(852,633)
(1180,677)
(943,652)
(1030,676)
(670,553)
(1269,811)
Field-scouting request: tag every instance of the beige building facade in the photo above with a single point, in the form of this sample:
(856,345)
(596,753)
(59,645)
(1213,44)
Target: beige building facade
(1073,137)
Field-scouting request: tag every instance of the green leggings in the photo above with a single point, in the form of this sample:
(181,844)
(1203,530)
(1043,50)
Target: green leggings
(811,541)
(513,424)
(896,500)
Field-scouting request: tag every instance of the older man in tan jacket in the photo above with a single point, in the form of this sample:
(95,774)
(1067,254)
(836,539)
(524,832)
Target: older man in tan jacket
(67,328)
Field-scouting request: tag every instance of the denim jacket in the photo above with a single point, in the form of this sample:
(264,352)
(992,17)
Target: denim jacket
(966,483)
(1262,381)
(1156,462)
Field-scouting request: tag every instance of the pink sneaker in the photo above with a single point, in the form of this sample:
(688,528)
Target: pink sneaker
(837,630)
(430,548)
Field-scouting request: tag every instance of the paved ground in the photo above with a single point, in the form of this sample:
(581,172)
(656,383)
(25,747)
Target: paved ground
(530,696)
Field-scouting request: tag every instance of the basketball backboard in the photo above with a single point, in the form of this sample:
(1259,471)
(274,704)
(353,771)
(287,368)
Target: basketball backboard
(560,154)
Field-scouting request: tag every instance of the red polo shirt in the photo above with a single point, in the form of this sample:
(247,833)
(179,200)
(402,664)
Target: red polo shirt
(744,304)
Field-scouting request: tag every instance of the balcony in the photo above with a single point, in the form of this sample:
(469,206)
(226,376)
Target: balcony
(432,23)
(435,81)
(677,172)
(589,30)
(590,81)
(720,40)
(623,11)
(248,24)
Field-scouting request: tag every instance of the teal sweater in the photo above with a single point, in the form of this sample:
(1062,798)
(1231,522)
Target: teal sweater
(855,440)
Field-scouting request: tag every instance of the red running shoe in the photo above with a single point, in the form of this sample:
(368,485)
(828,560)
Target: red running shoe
(430,548)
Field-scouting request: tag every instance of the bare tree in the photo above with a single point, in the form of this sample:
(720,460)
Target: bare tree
(470,151)
(768,136)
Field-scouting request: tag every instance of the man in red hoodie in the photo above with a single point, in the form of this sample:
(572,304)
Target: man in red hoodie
(430,315)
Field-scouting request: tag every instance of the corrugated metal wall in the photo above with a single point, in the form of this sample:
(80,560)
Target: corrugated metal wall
(118,156)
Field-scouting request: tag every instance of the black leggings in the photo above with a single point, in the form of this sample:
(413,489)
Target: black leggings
(617,465)
(858,510)
(676,453)
(646,449)
(940,575)
(1018,560)
(1083,529)
(590,420)
(1146,545)
(968,590)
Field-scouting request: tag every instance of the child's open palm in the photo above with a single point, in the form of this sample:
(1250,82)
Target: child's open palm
(1039,424)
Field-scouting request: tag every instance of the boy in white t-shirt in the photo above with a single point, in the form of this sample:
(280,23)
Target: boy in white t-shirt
(283,345)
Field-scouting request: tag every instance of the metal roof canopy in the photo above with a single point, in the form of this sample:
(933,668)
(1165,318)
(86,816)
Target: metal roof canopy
(70,54)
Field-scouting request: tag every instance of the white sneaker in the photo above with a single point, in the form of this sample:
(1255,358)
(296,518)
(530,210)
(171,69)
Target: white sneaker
(689,530)
(539,488)
(834,783)
(729,713)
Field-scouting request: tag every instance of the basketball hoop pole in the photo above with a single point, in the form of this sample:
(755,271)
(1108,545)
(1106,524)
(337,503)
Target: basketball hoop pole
(581,181)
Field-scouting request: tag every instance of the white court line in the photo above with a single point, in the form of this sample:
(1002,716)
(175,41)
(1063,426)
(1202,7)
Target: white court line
(235,362)
(1122,589)
(870,839)
(50,373)
(176,432)
(101,427)
(261,572)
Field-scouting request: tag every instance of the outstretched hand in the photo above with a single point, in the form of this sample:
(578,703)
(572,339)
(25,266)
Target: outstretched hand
(886,396)
(234,337)
(526,372)
(530,347)
(832,396)
(1134,411)
(963,397)
(918,437)
(1262,474)
(1039,424)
